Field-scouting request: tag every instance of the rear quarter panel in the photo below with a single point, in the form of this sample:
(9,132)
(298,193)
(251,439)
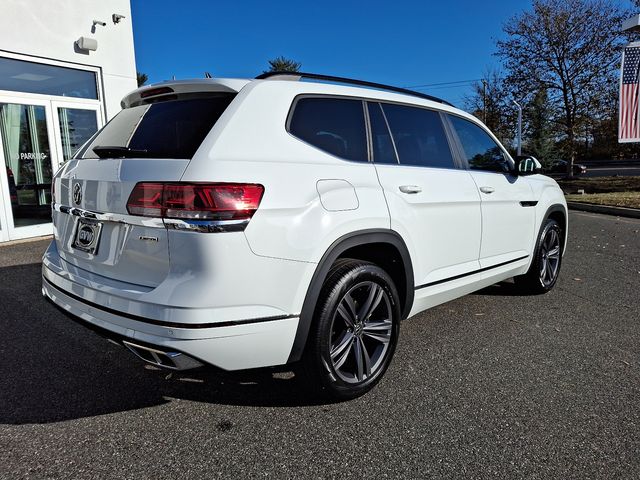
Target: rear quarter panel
(250,143)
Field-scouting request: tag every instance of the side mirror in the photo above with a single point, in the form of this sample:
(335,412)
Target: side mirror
(527,165)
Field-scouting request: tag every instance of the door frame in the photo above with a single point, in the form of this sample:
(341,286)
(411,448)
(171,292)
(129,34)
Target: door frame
(8,230)
(13,232)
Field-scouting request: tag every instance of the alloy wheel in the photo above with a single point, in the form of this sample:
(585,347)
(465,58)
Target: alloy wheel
(361,332)
(550,257)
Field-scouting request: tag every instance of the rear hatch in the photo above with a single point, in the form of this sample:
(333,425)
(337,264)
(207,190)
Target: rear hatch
(152,140)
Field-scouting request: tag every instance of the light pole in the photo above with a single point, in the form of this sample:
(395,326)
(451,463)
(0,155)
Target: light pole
(519,127)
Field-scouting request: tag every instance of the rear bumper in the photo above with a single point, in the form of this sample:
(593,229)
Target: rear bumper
(230,345)
(166,358)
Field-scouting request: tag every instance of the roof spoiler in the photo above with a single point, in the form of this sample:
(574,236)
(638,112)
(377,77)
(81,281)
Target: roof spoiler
(174,87)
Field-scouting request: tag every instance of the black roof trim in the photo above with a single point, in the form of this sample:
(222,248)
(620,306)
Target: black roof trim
(352,81)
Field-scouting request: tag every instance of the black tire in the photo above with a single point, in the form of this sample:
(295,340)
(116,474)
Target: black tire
(543,274)
(350,286)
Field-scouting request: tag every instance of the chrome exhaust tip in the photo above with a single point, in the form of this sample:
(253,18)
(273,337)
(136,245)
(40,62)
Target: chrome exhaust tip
(164,359)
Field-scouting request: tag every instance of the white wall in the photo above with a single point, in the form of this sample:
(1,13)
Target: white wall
(49,28)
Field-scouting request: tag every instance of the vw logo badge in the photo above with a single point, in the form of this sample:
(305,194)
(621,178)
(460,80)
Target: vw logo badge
(86,235)
(77,194)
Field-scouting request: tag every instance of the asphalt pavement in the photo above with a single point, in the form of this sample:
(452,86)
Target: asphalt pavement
(492,385)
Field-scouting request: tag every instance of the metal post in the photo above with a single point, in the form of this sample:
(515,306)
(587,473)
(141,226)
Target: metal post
(519,127)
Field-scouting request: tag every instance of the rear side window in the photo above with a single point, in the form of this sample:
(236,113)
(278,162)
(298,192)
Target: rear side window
(383,151)
(481,151)
(168,129)
(335,125)
(419,136)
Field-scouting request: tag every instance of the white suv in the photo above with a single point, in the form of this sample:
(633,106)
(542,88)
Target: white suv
(254,223)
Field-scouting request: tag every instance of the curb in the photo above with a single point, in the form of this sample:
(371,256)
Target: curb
(25,240)
(606,209)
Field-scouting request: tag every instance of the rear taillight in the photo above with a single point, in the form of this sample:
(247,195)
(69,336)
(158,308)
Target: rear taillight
(146,200)
(195,201)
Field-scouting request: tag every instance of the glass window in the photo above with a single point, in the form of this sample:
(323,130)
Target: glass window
(76,127)
(481,151)
(27,159)
(167,129)
(419,136)
(383,151)
(334,125)
(30,77)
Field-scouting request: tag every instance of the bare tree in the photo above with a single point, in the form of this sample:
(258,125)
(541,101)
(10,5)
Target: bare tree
(571,49)
(490,101)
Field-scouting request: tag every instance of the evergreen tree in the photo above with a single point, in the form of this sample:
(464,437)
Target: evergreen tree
(541,142)
(142,78)
(282,64)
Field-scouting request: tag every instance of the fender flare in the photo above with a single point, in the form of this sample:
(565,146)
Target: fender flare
(342,244)
(557,207)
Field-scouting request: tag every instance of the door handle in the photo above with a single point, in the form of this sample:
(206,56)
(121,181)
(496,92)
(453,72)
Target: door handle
(487,189)
(410,188)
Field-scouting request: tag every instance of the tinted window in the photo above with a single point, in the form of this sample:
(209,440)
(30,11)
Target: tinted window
(419,136)
(481,151)
(383,151)
(169,129)
(334,125)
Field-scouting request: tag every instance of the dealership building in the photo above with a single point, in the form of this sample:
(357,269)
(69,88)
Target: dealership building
(64,67)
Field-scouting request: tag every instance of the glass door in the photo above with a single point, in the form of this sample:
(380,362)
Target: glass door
(74,124)
(36,137)
(27,167)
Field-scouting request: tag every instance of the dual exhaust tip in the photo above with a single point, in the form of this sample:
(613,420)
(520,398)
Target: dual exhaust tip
(164,359)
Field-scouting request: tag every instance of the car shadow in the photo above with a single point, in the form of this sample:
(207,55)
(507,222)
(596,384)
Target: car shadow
(502,289)
(52,369)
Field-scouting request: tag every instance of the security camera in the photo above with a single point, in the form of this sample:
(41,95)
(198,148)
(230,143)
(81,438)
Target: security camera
(116,17)
(98,22)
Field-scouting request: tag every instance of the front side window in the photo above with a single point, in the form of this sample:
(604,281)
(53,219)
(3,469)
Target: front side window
(419,136)
(334,125)
(481,151)
(167,129)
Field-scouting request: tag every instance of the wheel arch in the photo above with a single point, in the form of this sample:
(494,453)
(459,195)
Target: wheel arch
(558,213)
(363,245)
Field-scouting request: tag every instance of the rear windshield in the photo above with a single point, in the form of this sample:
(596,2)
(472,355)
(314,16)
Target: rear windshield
(168,129)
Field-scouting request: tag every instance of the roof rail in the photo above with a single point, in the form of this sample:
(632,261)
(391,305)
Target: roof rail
(351,81)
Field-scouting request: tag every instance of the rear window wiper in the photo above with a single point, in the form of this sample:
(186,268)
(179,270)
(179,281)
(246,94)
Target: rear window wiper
(118,152)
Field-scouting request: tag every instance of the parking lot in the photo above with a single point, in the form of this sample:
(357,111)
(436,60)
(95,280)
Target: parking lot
(490,385)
